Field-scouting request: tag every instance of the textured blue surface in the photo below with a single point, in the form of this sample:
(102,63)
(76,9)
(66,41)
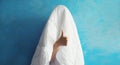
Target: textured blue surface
(22,21)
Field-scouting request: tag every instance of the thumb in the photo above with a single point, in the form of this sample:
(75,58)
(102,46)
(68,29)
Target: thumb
(62,34)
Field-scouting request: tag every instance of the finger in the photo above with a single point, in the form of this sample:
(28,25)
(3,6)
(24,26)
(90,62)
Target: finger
(65,37)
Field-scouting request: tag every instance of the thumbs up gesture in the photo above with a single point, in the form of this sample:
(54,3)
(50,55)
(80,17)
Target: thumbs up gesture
(62,41)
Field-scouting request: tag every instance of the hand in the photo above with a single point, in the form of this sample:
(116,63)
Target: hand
(62,40)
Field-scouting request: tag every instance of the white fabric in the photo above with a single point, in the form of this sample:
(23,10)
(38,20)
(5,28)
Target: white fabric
(60,19)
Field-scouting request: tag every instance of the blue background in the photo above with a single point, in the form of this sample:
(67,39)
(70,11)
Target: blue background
(22,21)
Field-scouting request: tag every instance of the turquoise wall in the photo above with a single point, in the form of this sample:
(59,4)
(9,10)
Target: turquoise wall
(22,21)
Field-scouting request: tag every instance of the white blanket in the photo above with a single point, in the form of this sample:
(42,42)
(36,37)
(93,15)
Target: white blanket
(60,19)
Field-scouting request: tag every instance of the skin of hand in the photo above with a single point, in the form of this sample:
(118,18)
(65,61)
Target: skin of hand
(62,41)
